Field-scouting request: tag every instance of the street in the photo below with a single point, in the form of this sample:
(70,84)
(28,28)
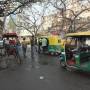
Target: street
(43,77)
(59,33)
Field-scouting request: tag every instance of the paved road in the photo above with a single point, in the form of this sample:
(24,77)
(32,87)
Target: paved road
(46,77)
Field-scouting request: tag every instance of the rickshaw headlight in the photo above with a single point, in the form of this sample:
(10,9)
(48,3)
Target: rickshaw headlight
(62,52)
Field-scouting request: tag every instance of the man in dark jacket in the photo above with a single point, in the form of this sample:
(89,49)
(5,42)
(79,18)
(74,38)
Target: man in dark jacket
(32,50)
(34,54)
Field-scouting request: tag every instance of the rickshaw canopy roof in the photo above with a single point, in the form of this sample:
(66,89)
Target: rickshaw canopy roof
(10,35)
(43,37)
(79,34)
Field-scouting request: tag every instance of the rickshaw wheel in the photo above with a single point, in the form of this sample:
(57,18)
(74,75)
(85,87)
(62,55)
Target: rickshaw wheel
(56,53)
(52,53)
(69,69)
(62,63)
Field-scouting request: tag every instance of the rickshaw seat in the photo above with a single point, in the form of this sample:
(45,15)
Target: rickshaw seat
(69,54)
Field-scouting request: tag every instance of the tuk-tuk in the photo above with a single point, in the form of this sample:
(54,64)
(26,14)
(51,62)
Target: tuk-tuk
(76,54)
(54,45)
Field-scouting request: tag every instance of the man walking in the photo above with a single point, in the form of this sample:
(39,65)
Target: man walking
(24,47)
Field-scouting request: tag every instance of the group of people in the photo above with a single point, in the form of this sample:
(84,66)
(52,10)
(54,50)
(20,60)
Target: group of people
(37,45)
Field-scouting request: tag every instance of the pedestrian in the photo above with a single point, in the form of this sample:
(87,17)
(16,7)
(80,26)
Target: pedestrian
(44,44)
(1,43)
(34,53)
(24,47)
(40,45)
(18,45)
(1,46)
(7,45)
(36,44)
(32,49)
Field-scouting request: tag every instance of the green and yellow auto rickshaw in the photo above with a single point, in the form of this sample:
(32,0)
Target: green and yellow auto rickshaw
(54,47)
(53,44)
(76,54)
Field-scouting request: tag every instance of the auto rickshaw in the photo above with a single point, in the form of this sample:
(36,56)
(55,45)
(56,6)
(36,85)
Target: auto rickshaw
(76,54)
(54,44)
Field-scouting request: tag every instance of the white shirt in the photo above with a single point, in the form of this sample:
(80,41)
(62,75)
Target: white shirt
(44,42)
(1,42)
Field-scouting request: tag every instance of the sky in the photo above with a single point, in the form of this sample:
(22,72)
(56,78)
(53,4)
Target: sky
(50,9)
(38,8)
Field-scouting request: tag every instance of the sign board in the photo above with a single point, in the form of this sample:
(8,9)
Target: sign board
(54,32)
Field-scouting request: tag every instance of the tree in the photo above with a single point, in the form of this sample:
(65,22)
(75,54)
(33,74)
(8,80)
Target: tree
(71,12)
(32,18)
(8,7)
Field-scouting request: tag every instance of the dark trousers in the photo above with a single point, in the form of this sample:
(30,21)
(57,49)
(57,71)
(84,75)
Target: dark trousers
(45,48)
(24,51)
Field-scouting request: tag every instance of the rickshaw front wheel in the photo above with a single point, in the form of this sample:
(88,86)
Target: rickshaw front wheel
(70,69)
(62,64)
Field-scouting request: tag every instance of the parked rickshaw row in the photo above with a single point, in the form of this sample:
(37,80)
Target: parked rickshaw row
(74,50)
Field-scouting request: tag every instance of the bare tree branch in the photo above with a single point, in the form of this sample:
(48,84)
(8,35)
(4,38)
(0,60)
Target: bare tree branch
(28,29)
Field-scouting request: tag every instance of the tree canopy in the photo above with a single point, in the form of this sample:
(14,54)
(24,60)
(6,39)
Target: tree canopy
(8,7)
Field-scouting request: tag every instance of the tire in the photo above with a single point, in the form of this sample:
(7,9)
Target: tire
(52,53)
(62,64)
(56,53)
(70,69)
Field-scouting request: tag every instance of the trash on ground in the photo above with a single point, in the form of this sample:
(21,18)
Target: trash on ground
(41,77)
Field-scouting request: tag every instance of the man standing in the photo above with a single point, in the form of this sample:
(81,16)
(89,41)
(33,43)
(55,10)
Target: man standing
(7,45)
(24,47)
(32,50)
(39,45)
(34,53)
(44,44)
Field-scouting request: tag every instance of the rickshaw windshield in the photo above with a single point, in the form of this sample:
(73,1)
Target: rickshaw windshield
(79,41)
